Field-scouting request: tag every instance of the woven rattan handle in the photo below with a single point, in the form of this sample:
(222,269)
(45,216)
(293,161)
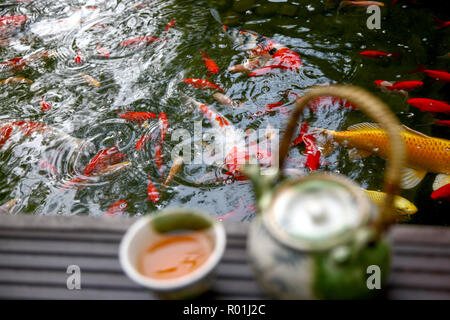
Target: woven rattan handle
(378,111)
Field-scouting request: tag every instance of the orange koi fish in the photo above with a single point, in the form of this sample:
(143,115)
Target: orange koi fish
(152,192)
(139,41)
(429,105)
(312,151)
(202,84)
(169,25)
(16,80)
(158,157)
(211,65)
(438,75)
(176,166)
(360,3)
(379,54)
(104,158)
(137,116)
(141,142)
(117,208)
(398,85)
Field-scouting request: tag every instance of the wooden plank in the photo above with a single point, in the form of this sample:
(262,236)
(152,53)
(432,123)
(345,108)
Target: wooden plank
(423,235)
(422,264)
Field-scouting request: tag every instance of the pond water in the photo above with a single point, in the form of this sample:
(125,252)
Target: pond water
(149,78)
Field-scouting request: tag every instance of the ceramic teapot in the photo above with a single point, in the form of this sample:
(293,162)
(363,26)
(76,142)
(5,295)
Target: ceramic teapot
(318,236)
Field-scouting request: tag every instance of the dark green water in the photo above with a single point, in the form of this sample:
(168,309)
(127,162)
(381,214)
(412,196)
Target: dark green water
(150,79)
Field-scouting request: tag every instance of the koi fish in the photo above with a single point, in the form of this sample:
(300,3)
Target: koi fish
(443,122)
(5,134)
(139,117)
(102,51)
(16,20)
(440,23)
(225,100)
(90,80)
(78,59)
(315,103)
(176,166)
(401,205)
(429,105)
(360,3)
(379,54)
(169,25)
(16,80)
(6,207)
(141,142)
(139,41)
(311,150)
(438,75)
(441,193)
(269,108)
(20,62)
(117,208)
(104,173)
(424,153)
(240,211)
(210,65)
(265,52)
(45,106)
(152,192)
(266,70)
(158,157)
(163,125)
(202,84)
(104,158)
(398,85)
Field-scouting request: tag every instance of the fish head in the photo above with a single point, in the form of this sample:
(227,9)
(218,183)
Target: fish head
(403,206)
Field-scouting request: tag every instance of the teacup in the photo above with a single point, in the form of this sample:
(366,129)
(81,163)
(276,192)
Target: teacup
(144,232)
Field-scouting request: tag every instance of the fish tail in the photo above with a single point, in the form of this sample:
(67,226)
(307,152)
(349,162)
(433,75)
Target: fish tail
(420,68)
(215,14)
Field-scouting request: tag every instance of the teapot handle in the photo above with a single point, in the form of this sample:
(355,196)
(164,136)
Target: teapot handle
(378,111)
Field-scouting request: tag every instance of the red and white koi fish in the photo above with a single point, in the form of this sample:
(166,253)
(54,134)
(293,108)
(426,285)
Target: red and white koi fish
(152,192)
(210,64)
(202,84)
(312,151)
(141,142)
(443,122)
(169,25)
(117,208)
(16,20)
(104,158)
(438,75)
(441,193)
(139,117)
(398,85)
(269,54)
(19,63)
(430,105)
(139,41)
(379,54)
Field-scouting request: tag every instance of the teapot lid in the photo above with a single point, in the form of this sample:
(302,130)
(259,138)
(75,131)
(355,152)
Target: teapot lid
(317,212)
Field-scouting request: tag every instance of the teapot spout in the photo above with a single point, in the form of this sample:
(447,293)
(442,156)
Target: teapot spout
(263,183)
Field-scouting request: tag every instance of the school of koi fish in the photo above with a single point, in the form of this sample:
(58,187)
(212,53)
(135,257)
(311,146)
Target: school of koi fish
(258,62)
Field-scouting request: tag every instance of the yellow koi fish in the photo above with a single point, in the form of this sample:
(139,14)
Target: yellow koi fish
(424,153)
(14,80)
(176,166)
(6,207)
(401,205)
(90,80)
